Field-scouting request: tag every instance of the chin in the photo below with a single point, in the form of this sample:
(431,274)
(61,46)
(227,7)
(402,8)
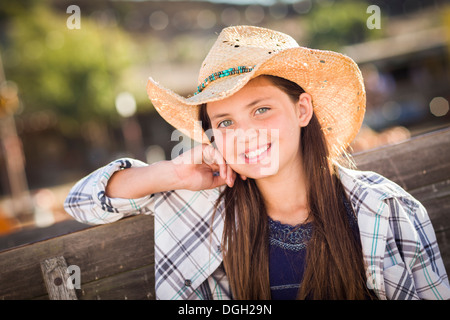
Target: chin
(266,173)
(258,172)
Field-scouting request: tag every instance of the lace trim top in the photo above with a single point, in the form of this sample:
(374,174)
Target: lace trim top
(287,254)
(293,238)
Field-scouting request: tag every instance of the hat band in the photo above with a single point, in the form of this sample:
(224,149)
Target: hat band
(222,74)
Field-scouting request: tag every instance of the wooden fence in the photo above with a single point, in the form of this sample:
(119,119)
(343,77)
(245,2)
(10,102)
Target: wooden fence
(116,260)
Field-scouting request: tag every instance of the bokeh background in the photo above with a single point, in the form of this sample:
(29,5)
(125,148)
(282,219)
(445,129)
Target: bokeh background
(71,100)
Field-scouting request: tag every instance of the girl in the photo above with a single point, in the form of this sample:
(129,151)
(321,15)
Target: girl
(265,206)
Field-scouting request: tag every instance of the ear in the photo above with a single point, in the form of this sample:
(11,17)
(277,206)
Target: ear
(305,109)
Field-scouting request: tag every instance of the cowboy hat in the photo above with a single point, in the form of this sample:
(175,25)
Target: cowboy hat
(242,53)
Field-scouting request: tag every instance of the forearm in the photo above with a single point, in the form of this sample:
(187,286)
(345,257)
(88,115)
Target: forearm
(137,182)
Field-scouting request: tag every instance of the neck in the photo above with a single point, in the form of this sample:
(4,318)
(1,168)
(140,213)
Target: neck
(285,195)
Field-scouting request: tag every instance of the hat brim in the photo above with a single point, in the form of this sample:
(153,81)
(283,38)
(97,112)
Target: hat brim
(332,79)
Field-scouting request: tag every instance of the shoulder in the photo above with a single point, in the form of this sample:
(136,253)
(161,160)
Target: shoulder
(373,189)
(374,196)
(372,182)
(369,191)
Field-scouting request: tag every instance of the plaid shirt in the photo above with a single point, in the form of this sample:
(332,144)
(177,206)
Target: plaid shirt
(399,244)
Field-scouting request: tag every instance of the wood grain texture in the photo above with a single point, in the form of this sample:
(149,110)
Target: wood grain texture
(418,162)
(54,272)
(117,260)
(100,252)
(421,166)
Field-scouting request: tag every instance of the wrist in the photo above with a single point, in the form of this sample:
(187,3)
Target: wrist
(174,175)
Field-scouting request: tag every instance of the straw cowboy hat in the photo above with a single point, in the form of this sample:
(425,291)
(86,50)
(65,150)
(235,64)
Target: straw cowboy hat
(242,53)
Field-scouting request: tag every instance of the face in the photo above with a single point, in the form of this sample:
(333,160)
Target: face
(257,130)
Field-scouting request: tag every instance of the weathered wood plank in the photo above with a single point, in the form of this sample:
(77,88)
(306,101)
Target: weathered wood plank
(56,277)
(33,235)
(422,167)
(137,284)
(99,252)
(439,211)
(418,162)
(443,239)
(438,190)
(116,261)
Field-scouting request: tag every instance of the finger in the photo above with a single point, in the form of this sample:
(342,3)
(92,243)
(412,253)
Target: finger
(232,176)
(243,177)
(220,161)
(208,155)
(218,156)
(215,168)
(220,168)
(210,158)
(229,176)
(233,179)
(217,182)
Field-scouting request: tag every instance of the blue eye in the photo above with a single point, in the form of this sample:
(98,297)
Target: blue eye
(225,124)
(262,110)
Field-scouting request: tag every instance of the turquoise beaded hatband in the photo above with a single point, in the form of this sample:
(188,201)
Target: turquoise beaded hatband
(242,53)
(222,74)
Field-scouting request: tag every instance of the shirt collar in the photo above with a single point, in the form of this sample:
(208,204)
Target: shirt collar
(369,189)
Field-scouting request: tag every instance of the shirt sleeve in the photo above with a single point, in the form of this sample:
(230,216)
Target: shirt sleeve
(429,267)
(413,252)
(88,203)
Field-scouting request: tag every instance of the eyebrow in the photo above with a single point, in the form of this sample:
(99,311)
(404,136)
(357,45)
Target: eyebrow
(251,104)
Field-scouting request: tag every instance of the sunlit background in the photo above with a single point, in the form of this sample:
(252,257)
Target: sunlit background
(71,100)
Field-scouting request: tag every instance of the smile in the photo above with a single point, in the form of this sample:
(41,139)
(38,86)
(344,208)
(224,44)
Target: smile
(256,155)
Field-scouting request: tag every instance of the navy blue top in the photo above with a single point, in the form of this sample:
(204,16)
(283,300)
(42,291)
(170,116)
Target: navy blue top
(287,254)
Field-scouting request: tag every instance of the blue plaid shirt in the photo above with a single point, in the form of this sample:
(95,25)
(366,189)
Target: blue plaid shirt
(399,243)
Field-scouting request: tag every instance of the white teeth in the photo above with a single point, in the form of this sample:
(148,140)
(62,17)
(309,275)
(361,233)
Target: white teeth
(256,153)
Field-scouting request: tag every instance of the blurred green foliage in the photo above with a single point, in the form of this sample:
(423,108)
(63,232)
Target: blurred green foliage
(334,24)
(75,73)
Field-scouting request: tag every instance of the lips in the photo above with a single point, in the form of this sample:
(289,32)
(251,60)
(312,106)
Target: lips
(256,154)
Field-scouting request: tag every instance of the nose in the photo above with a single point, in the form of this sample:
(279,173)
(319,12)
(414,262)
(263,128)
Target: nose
(246,134)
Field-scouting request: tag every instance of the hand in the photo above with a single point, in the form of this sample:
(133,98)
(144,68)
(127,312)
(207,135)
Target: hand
(203,167)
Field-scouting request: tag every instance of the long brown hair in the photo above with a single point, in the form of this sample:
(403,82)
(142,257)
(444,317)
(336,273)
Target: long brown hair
(334,261)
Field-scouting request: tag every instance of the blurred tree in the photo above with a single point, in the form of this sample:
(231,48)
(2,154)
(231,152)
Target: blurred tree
(74,73)
(334,24)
